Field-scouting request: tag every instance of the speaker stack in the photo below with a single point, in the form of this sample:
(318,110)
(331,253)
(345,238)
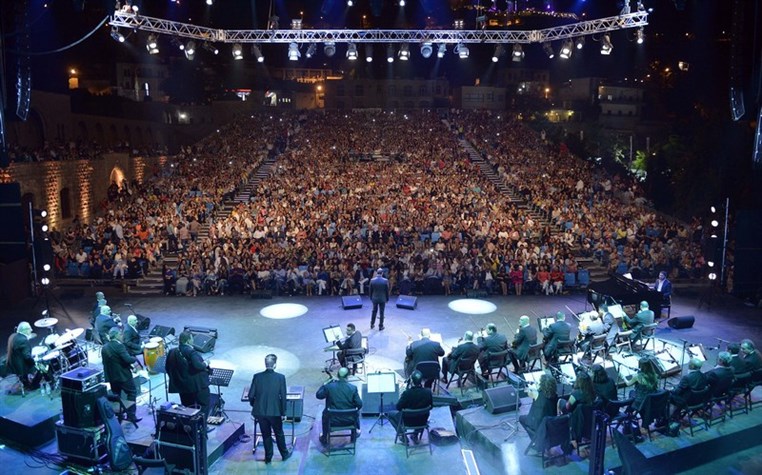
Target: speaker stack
(181,438)
(204,339)
(81,433)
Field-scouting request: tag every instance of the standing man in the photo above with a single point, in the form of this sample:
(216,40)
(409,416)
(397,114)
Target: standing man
(353,341)
(117,366)
(466,350)
(379,295)
(557,331)
(188,374)
(423,350)
(526,336)
(415,397)
(131,338)
(267,396)
(104,322)
(339,394)
(100,300)
(492,342)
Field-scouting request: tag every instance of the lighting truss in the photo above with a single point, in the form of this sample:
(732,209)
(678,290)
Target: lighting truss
(186,30)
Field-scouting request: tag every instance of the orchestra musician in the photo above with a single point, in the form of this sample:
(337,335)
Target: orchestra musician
(492,342)
(423,349)
(526,336)
(189,374)
(594,328)
(555,332)
(736,361)
(465,350)
(104,322)
(352,341)
(100,300)
(20,361)
(339,394)
(117,366)
(267,397)
(414,397)
(695,380)
(642,318)
(610,325)
(751,357)
(131,337)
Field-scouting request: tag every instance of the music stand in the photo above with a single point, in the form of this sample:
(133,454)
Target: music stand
(332,333)
(545,322)
(380,383)
(221,377)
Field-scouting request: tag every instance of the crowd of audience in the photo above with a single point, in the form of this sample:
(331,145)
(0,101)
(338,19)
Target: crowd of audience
(324,219)
(79,150)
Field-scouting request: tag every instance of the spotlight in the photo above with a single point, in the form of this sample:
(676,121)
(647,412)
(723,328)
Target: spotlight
(712,276)
(210,47)
(237,52)
(710,263)
(715,223)
(296,24)
(257,52)
(426,49)
(390,54)
(640,36)
(457,24)
(404,52)
(45,281)
(499,50)
(352,52)
(190,49)
(116,35)
(606,46)
(567,48)
(210,2)
(518,53)
(152,44)
(46,267)
(402,3)
(44,228)
(461,50)
(44,214)
(369,53)
(712,209)
(311,50)
(329,48)
(548,50)
(350,3)
(580,42)
(441,50)
(293,52)
(174,41)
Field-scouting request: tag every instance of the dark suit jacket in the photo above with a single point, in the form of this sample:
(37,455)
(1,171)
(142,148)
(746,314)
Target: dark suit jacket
(116,362)
(753,361)
(131,340)
(416,397)
(352,343)
(379,290)
(554,333)
(643,317)
(267,394)
(694,380)
(720,379)
(666,288)
(526,337)
(465,350)
(104,323)
(611,326)
(737,364)
(186,370)
(339,395)
(423,350)
(20,361)
(493,343)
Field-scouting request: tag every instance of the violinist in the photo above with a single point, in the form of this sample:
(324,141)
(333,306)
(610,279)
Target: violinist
(642,318)
(352,341)
(424,349)
(554,333)
(526,336)
(594,328)
(467,349)
(610,325)
(492,342)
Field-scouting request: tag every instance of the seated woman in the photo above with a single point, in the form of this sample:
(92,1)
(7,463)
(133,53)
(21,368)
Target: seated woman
(646,382)
(604,387)
(544,404)
(582,393)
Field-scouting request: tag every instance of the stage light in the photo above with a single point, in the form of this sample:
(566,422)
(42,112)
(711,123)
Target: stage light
(329,48)
(257,52)
(210,2)
(44,228)
(472,306)
(45,281)
(237,52)
(350,3)
(441,50)
(402,3)
(715,223)
(567,48)
(210,47)
(311,50)
(713,209)
(580,42)
(43,214)
(499,50)
(390,54)
(352,52)
(46,267)
(426,49)
(710,263)
(640,36)
(461,50)
(404,52)
(712,276)
(518,53)
(548,48)
(152,44)
(457,24)
(190,49)
(606,46)
(116,35)
(369,53)
(293,52)
(296,24)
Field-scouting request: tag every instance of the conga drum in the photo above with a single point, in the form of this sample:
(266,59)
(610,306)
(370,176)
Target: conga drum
(159,341)
(151,353)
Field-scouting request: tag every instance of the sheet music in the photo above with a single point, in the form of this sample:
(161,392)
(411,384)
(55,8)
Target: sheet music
(617,311)
(533,378)
(567,369)
(545,322)
(333,333)
(381,382)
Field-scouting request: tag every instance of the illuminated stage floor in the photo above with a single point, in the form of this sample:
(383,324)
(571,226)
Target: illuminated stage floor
(246,336)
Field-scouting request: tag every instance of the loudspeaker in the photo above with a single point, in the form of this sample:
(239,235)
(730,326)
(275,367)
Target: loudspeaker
(144,323)
(261,294)
(407,302)
(295,403)
(181,439)
(501,399)
(685,321)
(80,407)
(204,342)
(162,331)
(351,301)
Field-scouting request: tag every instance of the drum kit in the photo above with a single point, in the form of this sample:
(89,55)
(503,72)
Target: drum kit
(58,353)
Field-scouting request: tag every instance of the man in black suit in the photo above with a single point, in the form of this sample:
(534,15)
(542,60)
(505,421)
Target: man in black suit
(189,374)
(736,362)
(131,337)
(379,295)
(19,358)
(610,325)
(721,377)
(415,397)
(751,357)
(695,380)
(353,341)
(267,396)
(492,342)
(342,395)
(644,317)
(553,333)
(117,366)
(465,350)
(100,300)
(104,322)
(423,350)
(525,337)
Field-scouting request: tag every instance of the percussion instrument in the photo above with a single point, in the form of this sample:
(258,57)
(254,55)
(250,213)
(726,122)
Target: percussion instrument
(39,351)
(152,351)
(46,322)
(60,361)
(50,340)
(68,337)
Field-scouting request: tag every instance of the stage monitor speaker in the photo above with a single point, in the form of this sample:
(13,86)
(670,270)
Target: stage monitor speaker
(351,301)
(80,408)
(408,302)
(685,321)
(144,323)
(162,331)
(261,294)
(501,399)
(204,342)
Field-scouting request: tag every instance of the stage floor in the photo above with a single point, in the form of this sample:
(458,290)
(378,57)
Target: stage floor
(294,333)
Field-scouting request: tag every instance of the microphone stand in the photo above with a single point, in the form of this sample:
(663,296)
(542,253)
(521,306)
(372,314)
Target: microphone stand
(682,357)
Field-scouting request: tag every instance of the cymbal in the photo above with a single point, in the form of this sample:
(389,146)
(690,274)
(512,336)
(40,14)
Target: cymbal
(68,337)
(46,322)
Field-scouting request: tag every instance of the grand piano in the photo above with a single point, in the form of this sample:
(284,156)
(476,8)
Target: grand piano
(624,291)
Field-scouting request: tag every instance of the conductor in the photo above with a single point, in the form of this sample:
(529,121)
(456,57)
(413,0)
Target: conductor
(379,295)
(267,396)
